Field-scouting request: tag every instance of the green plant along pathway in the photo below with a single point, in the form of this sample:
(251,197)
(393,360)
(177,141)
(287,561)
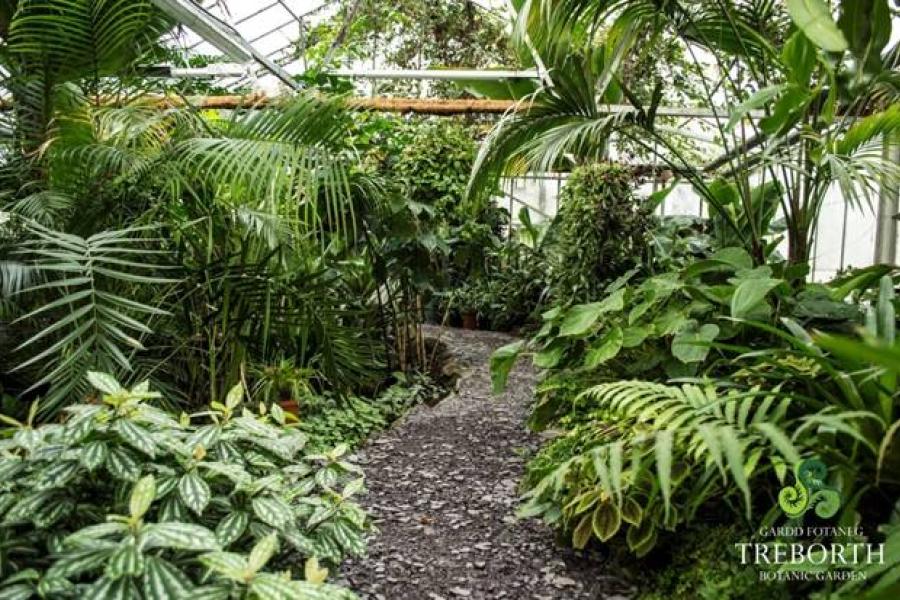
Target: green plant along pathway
(442,488)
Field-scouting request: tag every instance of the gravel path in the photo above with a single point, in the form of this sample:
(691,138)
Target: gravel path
(442,489)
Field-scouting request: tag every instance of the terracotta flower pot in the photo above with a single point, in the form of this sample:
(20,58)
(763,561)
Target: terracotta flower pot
(470,320)
(290,406)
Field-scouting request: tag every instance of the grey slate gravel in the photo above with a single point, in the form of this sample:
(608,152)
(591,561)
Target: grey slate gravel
(443,492)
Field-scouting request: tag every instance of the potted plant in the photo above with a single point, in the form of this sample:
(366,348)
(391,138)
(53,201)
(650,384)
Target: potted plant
(284,383)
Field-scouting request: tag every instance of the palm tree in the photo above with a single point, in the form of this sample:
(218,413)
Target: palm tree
(165,241)
(828,91)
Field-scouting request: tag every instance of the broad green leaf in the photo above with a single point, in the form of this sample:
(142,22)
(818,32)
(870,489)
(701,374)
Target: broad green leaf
(550,356)
(607,347)
(142,496)
(750,294)
(813,17)
(691,344)
(104,382)
(262,551)
(502,361)
(606,521)
(580,318)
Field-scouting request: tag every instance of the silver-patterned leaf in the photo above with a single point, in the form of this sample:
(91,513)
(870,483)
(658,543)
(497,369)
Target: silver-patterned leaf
(136,436)
(93,455)
(56,475)
(126,561)
(122,465)
(180,536)
(272,511)
(194,492)
(231,528)
(164,581)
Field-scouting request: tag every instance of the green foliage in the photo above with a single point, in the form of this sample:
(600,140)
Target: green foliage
(601,231)
(328,421)
(121,497)
(700,563)
(660,455)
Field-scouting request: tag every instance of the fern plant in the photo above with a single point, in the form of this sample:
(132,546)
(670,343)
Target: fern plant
(647,456)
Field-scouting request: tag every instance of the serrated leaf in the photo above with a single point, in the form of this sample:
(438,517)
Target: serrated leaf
(228,564)
(122,465)
(93,455)
(126,561)
(136,436)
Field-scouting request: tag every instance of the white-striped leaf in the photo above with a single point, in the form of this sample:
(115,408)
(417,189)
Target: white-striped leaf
(228,564)
(274,587)
(127,561)
(78,562)
(231,528)
(163,581)
(206,436)
(56,475)
(136,436)
(93,455)
(261,553)
(272,511)
(122,465)
(181,536)
(104,382)
(108,589)
(194,492)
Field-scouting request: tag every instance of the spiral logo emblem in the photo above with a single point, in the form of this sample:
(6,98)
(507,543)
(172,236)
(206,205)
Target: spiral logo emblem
(810,491)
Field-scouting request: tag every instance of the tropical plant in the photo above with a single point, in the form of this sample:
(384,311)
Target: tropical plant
(601,231)
(122,497)
(827,92)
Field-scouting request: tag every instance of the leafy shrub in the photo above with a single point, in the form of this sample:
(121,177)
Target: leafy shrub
(699,565)
(123,497)
(330,421)
(641,457)
(602,231)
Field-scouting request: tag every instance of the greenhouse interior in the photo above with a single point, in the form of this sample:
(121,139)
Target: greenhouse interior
(447,299)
